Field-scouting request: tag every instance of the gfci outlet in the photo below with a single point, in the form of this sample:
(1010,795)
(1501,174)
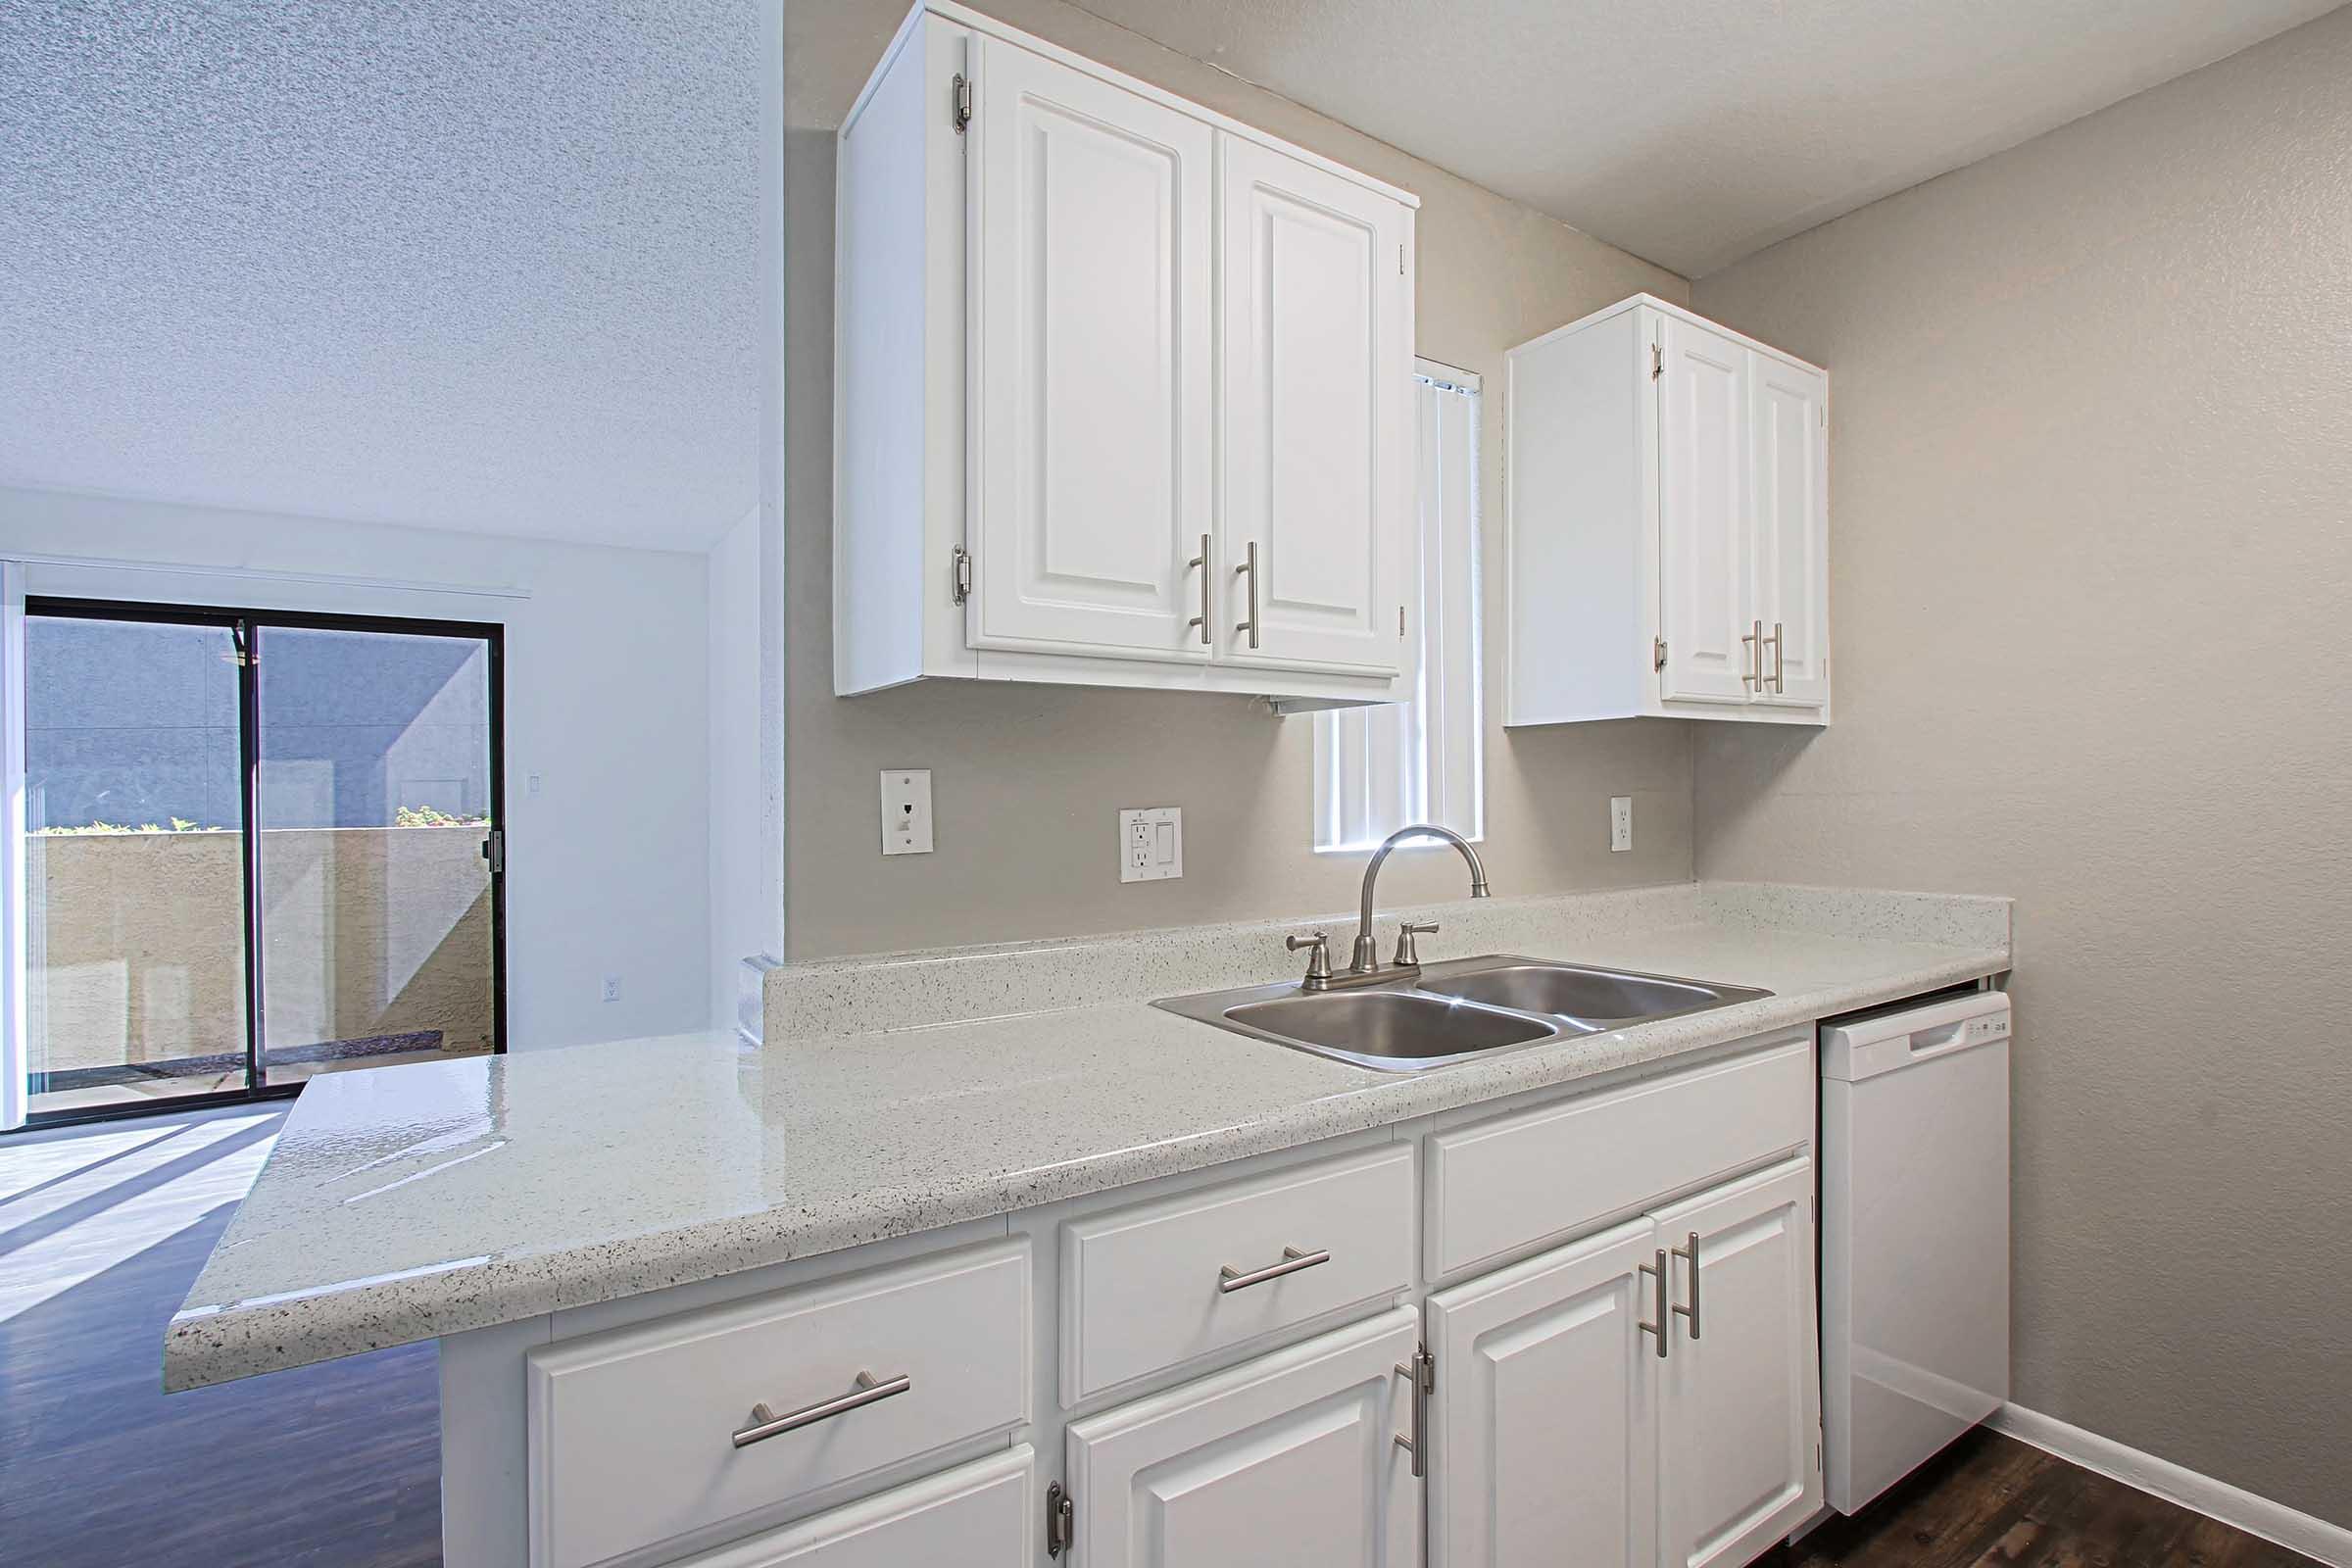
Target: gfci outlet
(1151,844)
(1621,822)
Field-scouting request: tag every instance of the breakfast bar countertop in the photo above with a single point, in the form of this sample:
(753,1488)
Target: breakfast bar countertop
(409,1202)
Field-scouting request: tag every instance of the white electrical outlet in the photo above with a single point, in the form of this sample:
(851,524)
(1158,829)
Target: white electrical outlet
(611,988)
(906,810)
(1621,822)
(1151,844)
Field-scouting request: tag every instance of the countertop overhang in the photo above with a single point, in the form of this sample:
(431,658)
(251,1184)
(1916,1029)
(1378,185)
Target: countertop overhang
(405,1204)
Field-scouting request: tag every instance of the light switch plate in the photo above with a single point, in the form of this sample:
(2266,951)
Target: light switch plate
(1151,844)
(906,810)
(1621,822)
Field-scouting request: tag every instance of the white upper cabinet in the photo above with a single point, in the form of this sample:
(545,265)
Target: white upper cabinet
(1788,422)
(1120,386)
(1667,533)
(1093,415)
(1706,538)
(1317,476)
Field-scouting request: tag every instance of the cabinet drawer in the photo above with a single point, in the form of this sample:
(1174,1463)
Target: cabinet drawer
(633,1433)
(1499,1185)
(976,1515)
(1145,1287)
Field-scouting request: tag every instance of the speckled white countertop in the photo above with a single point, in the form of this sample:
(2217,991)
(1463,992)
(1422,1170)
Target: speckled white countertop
(407,1202)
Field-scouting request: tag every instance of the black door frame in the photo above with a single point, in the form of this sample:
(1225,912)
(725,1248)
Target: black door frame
(246,628)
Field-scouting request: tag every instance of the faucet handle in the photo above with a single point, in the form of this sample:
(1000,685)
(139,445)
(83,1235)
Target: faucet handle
(1318,962)
(1407,954)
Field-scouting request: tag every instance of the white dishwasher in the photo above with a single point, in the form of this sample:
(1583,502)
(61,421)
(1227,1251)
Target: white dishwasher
(1914,1235)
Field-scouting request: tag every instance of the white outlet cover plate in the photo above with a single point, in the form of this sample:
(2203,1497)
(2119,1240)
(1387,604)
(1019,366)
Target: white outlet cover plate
(1621,822)
(906,810)
(1151,844)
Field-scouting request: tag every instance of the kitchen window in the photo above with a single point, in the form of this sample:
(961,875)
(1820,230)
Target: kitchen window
(1423,759)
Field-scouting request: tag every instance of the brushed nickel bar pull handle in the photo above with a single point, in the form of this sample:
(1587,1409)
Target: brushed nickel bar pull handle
(1753,676)
(1202,619)
(1779,671)
(1249,569)
(765,1423)
(1689,1254)
(1231,1279)
(1423,1370)
(1657,1272)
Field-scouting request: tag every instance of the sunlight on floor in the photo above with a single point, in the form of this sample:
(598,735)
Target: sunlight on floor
(67,1204)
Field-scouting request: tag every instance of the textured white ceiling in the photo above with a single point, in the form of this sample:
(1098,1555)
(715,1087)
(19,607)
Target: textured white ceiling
(1692,133)
(488,266)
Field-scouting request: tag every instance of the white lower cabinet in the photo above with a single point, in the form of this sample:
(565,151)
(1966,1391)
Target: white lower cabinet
(1598,1405)
(1290,1458)
(975,1516)
(1545,1411)
(1644,1394)
(1739,1414)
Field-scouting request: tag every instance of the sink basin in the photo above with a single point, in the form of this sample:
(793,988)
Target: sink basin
(1605,998)
(1389,1028)
(1453,1012)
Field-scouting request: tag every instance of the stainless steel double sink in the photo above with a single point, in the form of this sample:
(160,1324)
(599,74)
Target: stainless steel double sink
(1456,1011)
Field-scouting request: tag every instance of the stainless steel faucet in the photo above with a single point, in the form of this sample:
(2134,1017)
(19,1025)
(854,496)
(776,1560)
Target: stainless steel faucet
(1365,967)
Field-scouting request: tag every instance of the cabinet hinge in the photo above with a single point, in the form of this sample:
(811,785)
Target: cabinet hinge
(962,578)
(1061,1520)
(1401,620)
(1657,653)
(1657,362)
(959,103)
(1400,260)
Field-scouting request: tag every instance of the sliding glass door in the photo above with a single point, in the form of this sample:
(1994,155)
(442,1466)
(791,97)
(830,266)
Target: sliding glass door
(135,861)
(259,847)
(375,795)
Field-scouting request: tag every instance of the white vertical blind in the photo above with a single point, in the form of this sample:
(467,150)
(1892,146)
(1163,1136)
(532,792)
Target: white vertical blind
(1421,761)
(12,845)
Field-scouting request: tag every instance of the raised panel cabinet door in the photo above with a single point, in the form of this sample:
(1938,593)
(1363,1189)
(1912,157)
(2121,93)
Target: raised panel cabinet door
(1091,302)
(1314,414)
(1705,594)
(1292,1458)
(1789,429)
(977,1515)
(1545,1411)
(1739,1461)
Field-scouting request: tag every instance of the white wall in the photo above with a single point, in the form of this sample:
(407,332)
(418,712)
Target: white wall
(606,702)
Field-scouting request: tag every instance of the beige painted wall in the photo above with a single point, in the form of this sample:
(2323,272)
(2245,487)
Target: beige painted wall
(1026,780)
(138,947)
(2092,459)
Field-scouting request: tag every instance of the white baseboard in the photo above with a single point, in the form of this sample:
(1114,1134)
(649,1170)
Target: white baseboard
(2274,1522)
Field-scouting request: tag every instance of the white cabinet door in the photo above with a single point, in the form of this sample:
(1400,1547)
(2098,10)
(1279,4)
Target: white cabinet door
(974,1516)
(1788,438)
(1092,297)
(1292,1458)
(1316,416)
(1545,1411)
(1741,1411)
(1704,570)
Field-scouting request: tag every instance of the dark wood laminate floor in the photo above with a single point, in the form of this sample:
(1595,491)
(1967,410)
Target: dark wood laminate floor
(103,1231)
(1991,1501)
